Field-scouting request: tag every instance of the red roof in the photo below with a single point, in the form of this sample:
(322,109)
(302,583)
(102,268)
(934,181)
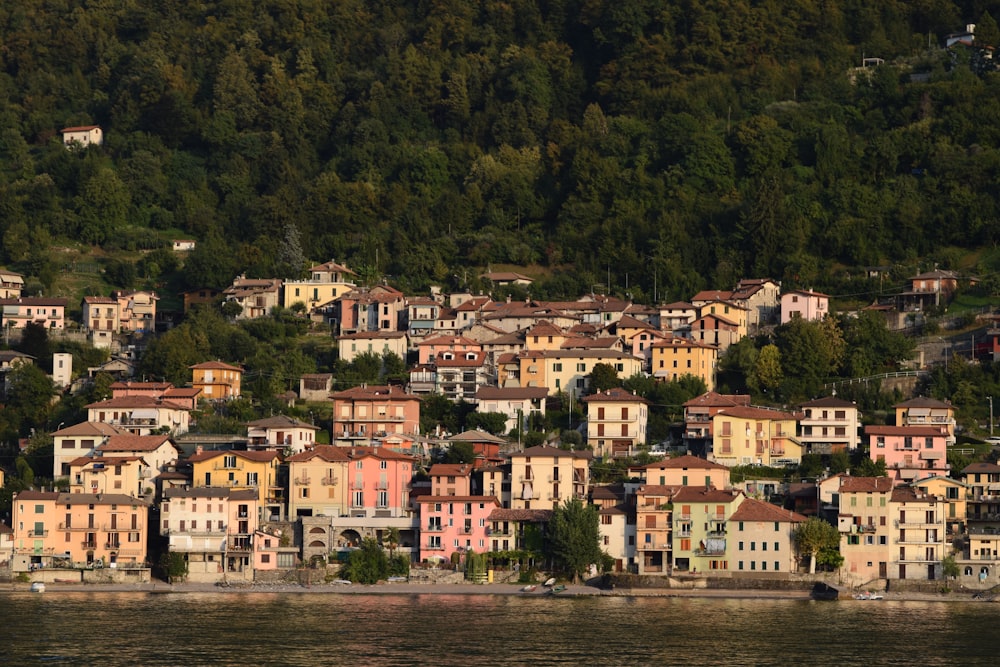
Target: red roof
(615,395)
(850,484)
(215,366)
(693,494)
(757,510)
(263,456)
(135,443)
(329,453)
(685,462)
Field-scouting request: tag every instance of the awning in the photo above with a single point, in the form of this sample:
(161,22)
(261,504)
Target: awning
(919,412)
(145,413)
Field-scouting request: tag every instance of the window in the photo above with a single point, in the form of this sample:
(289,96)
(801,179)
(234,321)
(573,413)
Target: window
(753,546)
(557,368)
(358,499)
(228,461)
(741,546)
(776,546)
(383,465)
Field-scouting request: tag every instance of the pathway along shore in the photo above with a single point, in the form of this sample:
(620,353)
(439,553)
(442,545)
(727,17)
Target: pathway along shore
(159,587)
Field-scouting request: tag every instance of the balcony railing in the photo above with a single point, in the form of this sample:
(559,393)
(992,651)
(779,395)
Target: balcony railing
(303,480)
(922,523)
(38,533)
(328,481)
(112,545)
(89,545)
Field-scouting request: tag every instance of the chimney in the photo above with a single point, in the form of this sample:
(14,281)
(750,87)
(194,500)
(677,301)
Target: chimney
(198,449)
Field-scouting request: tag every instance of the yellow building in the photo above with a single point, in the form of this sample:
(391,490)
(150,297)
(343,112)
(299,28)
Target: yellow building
(931,412)
(217,380)
(543,477)
(544,336)
(955,495)
(684,471)
(865,528)
(569,370)
(233,469)
(318,482)
(700,517)
(79,528)
(747,435)
(677,357)
(326,282)
(130,475)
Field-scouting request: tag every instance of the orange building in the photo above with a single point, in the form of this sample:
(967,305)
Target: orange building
(217,380)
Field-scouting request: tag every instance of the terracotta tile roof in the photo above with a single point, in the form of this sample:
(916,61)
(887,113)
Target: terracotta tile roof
(80,128)
(981,467)
(383,453)
(104,300)
(182,392)
(850,484)
(615,395)
(328,453)
(450,470)
(629,322)
(149,386)
(694,494)
(678,305)
(658,490)
(263,456)
(607,492)
(747,412)
(99,499)
(922,402)
(551,452)
(807,293)
(37,495)
(215,366)
(916,431)
(476,435)
(712,295)
(828,402)
(458,499)
(127,402)
(757,510)
(91,428)
(908,494)
(209,492)
(685,462)
(135,443)
(533,516)
(379,392)
(33,301)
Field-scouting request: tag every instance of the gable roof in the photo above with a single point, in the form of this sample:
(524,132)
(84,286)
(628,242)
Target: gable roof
(281,421)
(850,484)
(215,366)
(135,443)
(262,456)
(615,395)
(757,510)
(330,453)
(476,435)
(91,428)
(828,402)
(551,452)
(685,462)
(703,494)
(715,400)
(748,412)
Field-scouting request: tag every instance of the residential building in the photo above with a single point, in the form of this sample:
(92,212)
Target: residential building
(434,349)
(18,312)
(379,308)
(748,435)
(684,471)
(326,282)
(808,305)
(140,415)
(269,554)
(379,482)
(956,494)
(930,412)
(451,479)
(158,451)
(454,524)
(569,370)
(250,471)
(654,528)
(213,527)
(543,477)
(11,284)
(82,136)
(421,315)
(217,380)
(281,433)
(617,525)
(486,447)
(517,529)
(129,475)
(72,442)
(909,452)
(922,538)
(929,289)
(677,317)
(718,331)
(762,538)
(518,404)
(459,378)
(315,386)
(616,422)
(199,297)
(78,529)
(673,359)
(361,413)
(255,296)
(700,527)
(100,314)
(136,310)
(864,521)
(318,482)
(829,425)
(762,299)
(350,346)
(698,414)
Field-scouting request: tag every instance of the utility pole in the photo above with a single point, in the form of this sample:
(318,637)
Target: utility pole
(990,399)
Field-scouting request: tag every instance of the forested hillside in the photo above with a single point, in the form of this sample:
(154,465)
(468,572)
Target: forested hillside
(679,144)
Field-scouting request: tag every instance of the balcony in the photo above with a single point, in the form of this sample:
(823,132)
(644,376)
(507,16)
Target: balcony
(112,545)
(466,530)
(432,546)
(88,545)
(303,480)
(382,485)
(222,466)
(716,534)
(923,523)
(711,551)
(922,539)
(434,528)
(653,546)
(328,481)
(239,543)
(38,533)
(66,526)
(683,533)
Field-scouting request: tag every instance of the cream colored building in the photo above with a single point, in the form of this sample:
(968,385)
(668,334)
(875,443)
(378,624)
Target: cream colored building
(829,425)
(129,475)
(616,422)
(569,370)
(317,482)
(684,471)
(78,440)
(866,531)
(544,477)
(761,538)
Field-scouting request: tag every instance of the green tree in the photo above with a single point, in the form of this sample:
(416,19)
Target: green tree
(813,536)
(839,462)
(766,374)
(868,468)
(491,422)
(949,568)
(173,567)
(603,377)
(367,565)
(29,395)
(460,452)
(573,538)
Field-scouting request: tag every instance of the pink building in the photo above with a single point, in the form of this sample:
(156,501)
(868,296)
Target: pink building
(446,347)
(909,452)
(808,305)
(49,313)
(379,482)
(367,309)
(361,413)
(450,524)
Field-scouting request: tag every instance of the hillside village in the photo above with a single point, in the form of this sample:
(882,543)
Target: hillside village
(138,483)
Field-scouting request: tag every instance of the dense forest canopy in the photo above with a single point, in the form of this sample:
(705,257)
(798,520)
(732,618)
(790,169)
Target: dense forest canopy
(656,146)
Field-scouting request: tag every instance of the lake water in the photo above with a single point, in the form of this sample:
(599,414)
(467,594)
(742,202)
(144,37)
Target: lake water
(316,629)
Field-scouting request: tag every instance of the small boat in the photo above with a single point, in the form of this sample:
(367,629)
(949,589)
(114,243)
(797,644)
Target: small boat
(530,588)
(38,587)
(346,582)
(869,595)
(549,582)
(398,580)
(558,589)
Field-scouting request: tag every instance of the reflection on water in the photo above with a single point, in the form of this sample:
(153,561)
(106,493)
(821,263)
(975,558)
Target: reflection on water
(315,629)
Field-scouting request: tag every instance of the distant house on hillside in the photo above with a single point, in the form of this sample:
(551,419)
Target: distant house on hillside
(82,135)
(183,245)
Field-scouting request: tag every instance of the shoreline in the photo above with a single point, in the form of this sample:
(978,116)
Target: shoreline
(571,591)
